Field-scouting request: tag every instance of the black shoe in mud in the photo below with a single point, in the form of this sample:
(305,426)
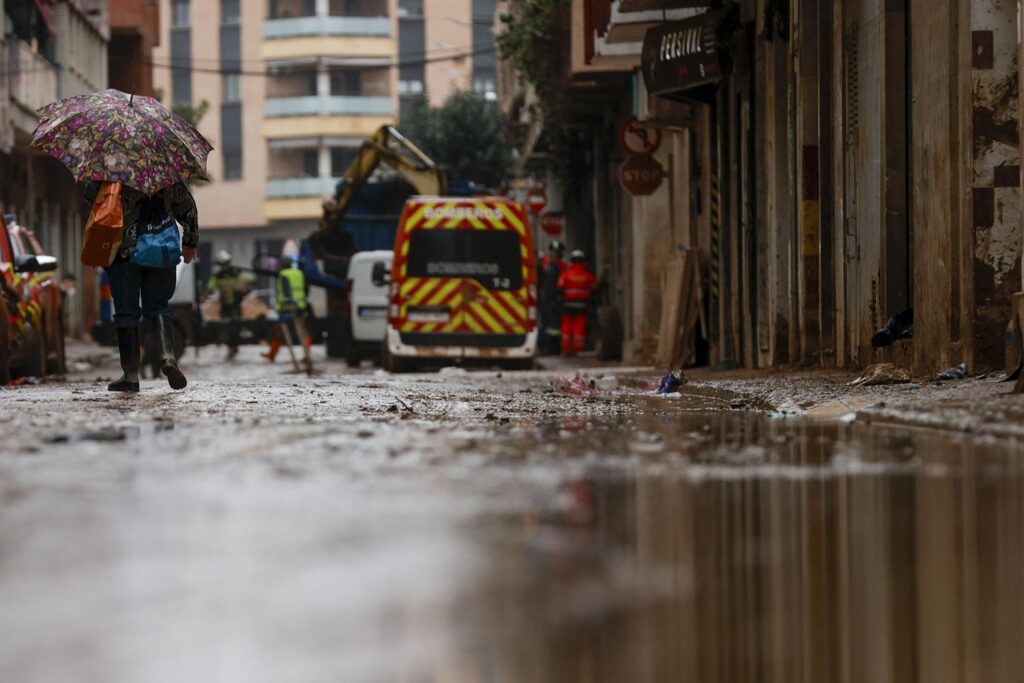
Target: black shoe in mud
(124,386)
(175,377)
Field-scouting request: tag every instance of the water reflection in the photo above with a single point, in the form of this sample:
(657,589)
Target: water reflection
(766,551)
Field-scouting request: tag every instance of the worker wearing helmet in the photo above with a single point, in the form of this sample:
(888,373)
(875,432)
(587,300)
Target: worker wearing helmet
(230,284)
(577,285)
(291,305)
(548,272)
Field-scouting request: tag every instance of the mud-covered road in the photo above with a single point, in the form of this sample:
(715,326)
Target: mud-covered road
(267,526)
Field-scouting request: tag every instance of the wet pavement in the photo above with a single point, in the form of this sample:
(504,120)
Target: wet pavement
(463,527)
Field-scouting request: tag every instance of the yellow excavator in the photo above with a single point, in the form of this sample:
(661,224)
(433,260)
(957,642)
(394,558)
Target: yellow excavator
(386,146)
(335,243)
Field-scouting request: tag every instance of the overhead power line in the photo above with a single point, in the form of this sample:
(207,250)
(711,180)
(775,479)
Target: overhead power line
(264,73)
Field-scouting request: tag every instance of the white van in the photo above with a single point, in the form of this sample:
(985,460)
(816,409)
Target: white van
(368,306)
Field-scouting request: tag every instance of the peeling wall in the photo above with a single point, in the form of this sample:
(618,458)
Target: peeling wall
(996,207)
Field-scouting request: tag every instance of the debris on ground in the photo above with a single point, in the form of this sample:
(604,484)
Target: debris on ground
(882,373)
(900,326)
(607,383)
(786,409)
(24,382)
(955,372)
(101,435)
(577,386)
(670,383)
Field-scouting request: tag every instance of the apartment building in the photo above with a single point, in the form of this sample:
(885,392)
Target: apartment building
(291,88)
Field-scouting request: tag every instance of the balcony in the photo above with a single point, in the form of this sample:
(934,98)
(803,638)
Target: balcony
(329,105)
(305,27)
(290,188)
(296,198)
(341,37)
(34,79)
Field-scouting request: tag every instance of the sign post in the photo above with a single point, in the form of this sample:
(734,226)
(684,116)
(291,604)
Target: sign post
(552,223)
(537,199)
(641,174)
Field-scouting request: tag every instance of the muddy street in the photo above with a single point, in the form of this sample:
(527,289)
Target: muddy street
(482,526)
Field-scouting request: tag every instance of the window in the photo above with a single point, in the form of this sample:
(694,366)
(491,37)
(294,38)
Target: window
(311,163)
(232,165)
(410,87)
(492,257)
(348,82)
(181,14)
(230,12)
(341,158)
(410,8)
(181,86)
(232,88)
(485,85)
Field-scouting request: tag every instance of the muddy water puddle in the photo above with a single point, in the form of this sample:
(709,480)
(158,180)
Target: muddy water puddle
(631,542)
(729,547)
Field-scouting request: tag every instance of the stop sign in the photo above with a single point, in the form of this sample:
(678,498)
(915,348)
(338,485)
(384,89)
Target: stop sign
(641,174)
(552,223)
(537,199)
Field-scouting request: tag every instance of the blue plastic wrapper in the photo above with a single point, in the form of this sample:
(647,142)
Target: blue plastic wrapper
(670,383)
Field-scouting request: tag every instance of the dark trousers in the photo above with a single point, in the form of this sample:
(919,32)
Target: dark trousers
(550,326)
(140,292)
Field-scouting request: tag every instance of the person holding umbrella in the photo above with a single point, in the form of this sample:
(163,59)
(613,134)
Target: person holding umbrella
(132,149)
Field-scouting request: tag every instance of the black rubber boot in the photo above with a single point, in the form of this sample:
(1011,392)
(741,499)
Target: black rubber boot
(168,364)
(128,348)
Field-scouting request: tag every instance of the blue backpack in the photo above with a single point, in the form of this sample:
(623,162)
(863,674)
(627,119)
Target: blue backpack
(159,243)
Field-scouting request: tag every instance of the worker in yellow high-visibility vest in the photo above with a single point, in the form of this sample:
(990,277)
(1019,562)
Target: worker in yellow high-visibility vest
(291,305)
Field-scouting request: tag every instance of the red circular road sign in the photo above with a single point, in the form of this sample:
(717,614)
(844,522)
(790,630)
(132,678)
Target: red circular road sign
(537,200)
(638,138)
(552,223)
(641,174)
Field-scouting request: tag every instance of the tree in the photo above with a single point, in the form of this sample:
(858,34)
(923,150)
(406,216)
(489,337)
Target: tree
(466,136)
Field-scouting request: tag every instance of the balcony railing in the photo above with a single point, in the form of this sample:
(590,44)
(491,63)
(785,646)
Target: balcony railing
(329,105)
(301,27)
(288,188)
(34,80)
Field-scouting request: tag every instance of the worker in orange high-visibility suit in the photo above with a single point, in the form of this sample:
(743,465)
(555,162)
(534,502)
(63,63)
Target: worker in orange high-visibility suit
(576,286)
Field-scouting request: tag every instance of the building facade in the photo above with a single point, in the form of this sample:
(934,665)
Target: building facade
(49,50)
(833,164)
(289,89)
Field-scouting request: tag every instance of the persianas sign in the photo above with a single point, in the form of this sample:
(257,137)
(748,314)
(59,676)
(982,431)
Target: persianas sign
(681,55)
(641,174)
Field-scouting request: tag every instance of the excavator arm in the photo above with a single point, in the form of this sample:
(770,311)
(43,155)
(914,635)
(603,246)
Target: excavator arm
(386,146)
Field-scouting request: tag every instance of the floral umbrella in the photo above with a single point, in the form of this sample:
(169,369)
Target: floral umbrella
(116,137)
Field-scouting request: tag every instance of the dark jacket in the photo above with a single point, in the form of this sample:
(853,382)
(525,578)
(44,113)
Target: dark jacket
(177,200)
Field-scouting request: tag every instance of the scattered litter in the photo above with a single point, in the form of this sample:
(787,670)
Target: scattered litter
(577,386)
(881,373)
(786,409)
(103,435)
(452,370)
(81,367)
(840,409)
(671,382)
(900,326)
(955,372)
(24,382)
(607,383)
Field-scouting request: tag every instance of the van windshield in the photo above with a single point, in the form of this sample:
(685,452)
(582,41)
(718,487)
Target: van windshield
(492,257)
